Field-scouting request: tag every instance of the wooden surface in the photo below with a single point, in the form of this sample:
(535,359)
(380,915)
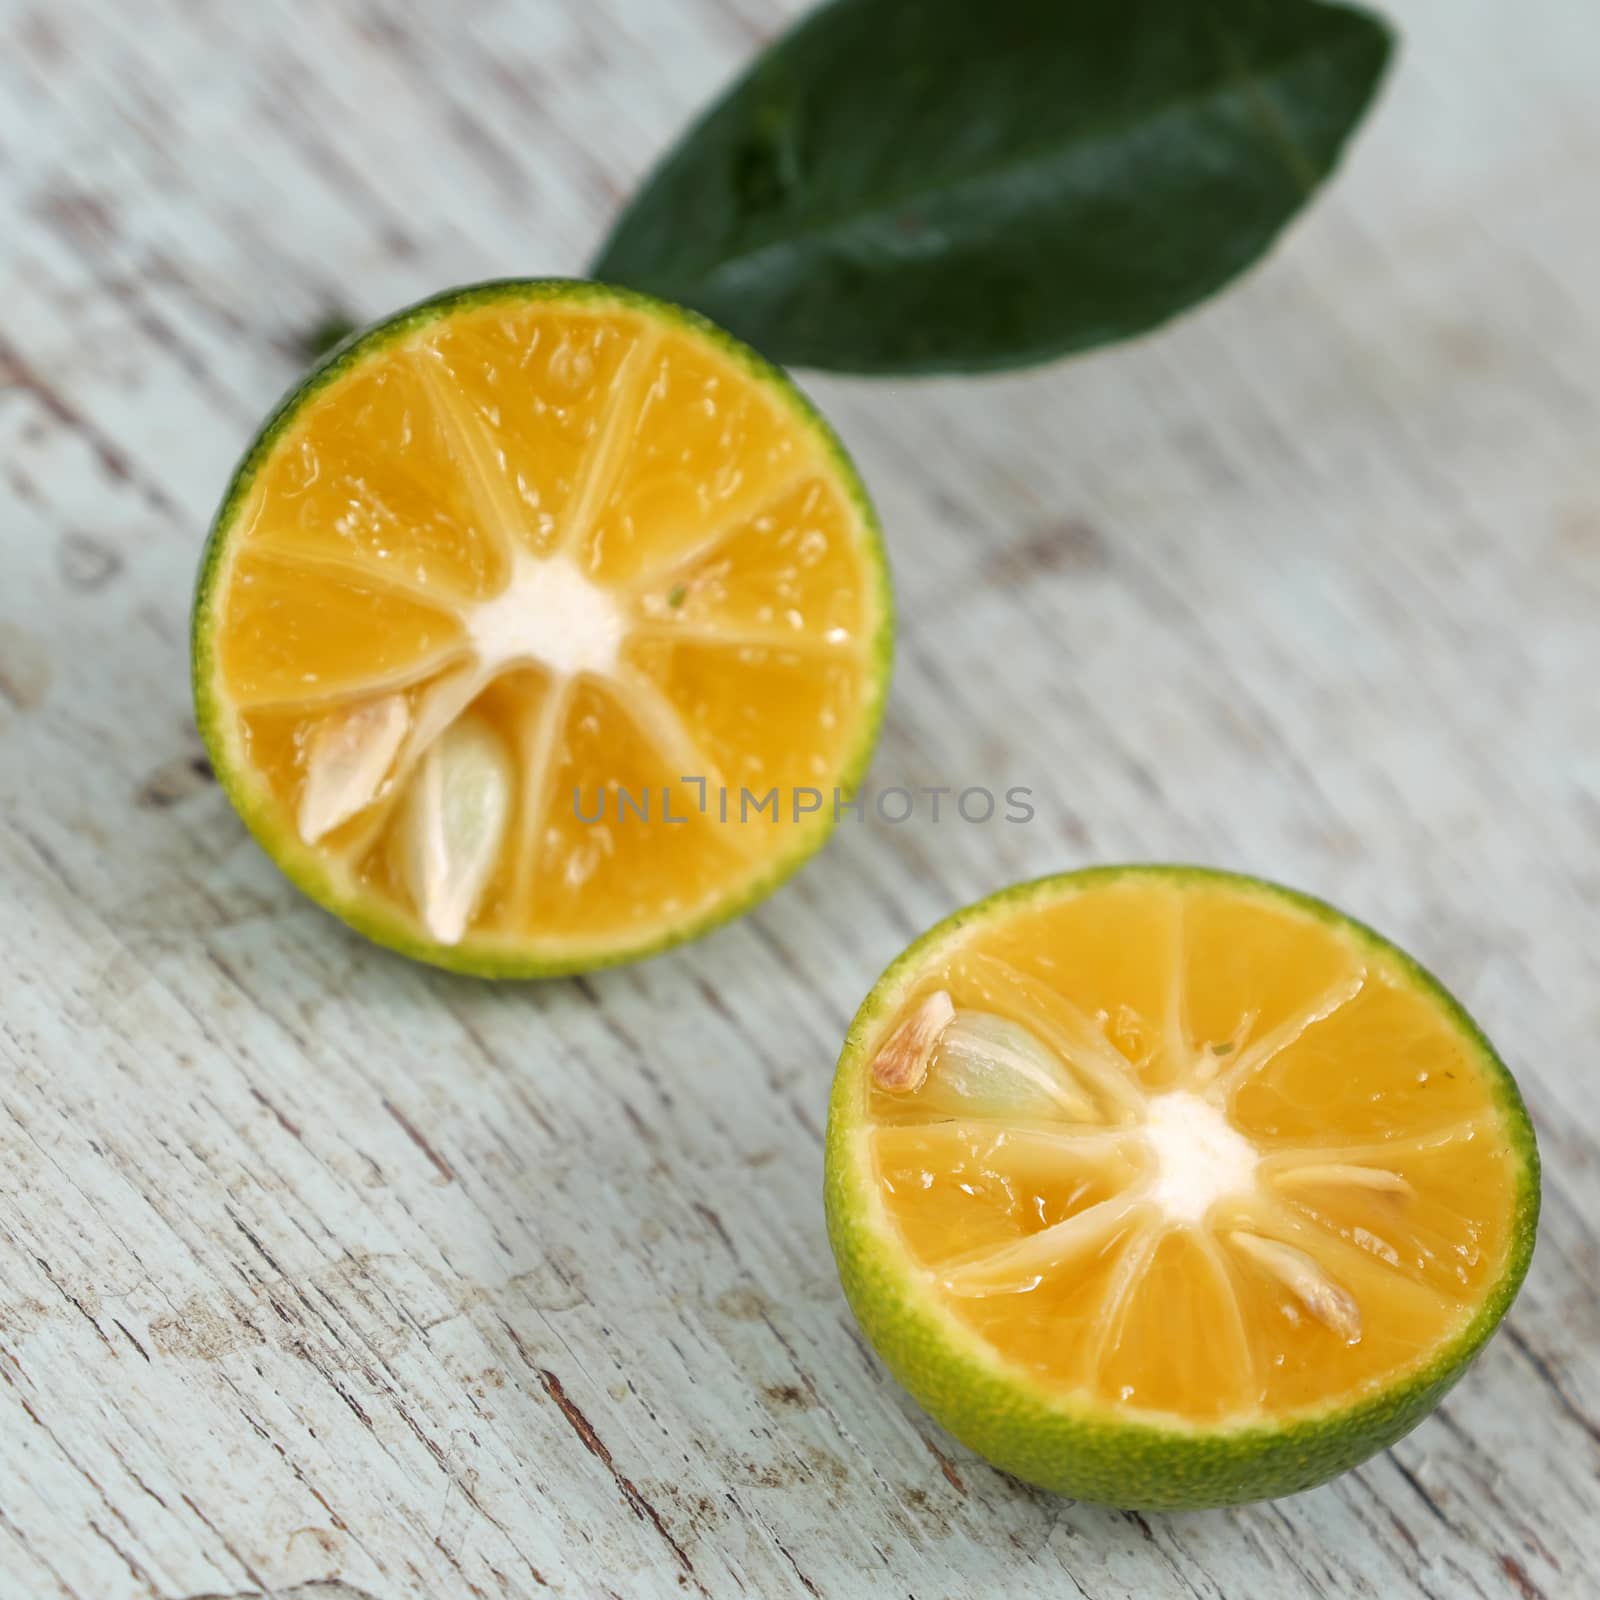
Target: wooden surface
(325,1275)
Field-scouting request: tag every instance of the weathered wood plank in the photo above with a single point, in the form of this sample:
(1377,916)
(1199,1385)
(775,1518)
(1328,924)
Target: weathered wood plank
(314,1266)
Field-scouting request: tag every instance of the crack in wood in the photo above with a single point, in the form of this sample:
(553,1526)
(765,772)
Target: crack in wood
(414,1134)
(596,1446)
(315,1589)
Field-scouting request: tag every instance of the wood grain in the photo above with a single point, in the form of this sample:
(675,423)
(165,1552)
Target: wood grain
(325,1276)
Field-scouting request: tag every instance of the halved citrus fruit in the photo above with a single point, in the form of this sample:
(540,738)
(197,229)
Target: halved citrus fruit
(1165,1188)
(539,628)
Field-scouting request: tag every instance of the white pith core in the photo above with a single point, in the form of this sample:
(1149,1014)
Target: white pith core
(1199,1155)
(550,614)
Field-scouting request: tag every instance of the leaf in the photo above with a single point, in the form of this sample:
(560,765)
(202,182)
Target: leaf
(903,186)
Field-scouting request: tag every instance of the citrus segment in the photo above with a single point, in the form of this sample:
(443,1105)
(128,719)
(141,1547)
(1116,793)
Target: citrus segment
(526,398)
(1169,1187)
(607,853)
(737,701)
(704,451)
(502,601)
(337,491)
(308,636)
(787,575)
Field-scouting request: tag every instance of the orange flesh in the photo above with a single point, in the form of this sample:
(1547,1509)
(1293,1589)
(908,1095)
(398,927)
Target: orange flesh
(692,495)
(1376,1153)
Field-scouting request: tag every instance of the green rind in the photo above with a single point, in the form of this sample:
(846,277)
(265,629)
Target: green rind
(300,864)
(1061,1444)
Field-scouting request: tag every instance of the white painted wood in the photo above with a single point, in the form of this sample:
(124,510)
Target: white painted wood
(318,1266)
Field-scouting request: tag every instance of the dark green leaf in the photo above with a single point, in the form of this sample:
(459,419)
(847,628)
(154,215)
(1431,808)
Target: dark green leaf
(949,185)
